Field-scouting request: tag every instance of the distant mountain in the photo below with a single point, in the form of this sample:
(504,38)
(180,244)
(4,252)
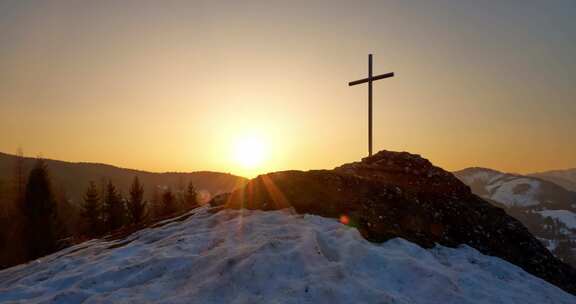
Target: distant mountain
(565,178)
(545,208)
(73,178)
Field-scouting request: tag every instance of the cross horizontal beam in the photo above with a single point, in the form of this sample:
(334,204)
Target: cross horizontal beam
(387,75)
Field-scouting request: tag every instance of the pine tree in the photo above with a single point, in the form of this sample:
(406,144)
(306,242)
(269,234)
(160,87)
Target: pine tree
(136,204)
(19,169)
(91,210)
(168,202)
(14,196)
(39,210)
(113,208)
(156,202)
(190,198)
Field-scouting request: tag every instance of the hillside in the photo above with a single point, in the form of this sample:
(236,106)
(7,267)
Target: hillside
(565,178)
(546,209)
(73,178)
(268,257)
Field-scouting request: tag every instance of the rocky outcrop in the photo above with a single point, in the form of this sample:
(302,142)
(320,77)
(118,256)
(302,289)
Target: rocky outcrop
(393,194)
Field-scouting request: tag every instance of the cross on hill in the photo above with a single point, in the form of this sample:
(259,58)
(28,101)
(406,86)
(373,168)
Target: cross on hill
(369,81)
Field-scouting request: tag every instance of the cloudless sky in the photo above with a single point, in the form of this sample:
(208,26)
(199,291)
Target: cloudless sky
(172,85)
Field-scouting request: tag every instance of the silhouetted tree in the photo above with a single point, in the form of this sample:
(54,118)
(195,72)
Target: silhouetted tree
(19,172)
(39,210)
(12,201)
(136,204)
(91,210)
(168,202)
(156,202)
(114,210)
(190,198)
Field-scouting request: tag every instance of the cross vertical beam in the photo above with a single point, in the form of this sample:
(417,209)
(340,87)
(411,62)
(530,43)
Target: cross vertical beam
(370,105)
(369,80)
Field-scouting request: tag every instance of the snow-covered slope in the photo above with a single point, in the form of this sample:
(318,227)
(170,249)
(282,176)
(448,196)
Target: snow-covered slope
(507,189)
(513,190)
(546,209)
(268,257)
(568,218)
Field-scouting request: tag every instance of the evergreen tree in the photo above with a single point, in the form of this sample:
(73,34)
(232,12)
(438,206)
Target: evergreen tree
(168,202)
(19,182)
(13,205)
(113,208)
(136,204)
(156,208)
(39,210)
(91,210)
(190,198)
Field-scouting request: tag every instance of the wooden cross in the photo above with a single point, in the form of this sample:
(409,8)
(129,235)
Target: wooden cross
(369,81)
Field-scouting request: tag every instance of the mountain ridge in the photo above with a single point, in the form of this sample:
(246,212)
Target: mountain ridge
(563,177)
(74,177)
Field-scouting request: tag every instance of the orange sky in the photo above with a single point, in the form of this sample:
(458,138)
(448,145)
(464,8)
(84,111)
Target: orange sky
(172,85)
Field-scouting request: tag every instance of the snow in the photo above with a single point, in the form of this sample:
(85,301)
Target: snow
(551,245)
(503,188)
(268,257)
(505,193)
(566,217)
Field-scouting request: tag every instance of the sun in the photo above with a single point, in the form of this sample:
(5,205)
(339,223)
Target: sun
(250,152)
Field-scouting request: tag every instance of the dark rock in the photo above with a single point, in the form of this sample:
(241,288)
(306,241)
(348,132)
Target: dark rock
(395,194)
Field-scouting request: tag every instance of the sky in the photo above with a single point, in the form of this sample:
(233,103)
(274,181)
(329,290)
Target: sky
(188,85)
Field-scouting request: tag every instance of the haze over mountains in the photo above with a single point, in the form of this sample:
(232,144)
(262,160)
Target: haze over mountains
(565,178)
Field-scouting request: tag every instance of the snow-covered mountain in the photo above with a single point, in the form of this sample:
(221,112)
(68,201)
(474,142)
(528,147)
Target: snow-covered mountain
(545,208)
(513,190)
(241,256)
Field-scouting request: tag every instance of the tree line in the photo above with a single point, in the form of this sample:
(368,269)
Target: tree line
(107,210)
(37,223)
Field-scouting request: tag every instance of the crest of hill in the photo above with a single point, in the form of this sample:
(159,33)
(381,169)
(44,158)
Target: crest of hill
(75,177)
(565,178)
(398,194)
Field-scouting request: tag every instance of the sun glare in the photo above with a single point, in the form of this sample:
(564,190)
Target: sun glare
(250,152)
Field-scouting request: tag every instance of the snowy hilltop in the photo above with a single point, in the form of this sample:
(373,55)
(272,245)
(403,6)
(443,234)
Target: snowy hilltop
(241,256)
(402,195)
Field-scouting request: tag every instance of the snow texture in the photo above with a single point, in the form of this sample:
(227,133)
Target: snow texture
(268,257)
(566,217)
(506,192)
(505,189)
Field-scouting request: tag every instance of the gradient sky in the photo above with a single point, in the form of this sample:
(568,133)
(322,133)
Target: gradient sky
(171,85)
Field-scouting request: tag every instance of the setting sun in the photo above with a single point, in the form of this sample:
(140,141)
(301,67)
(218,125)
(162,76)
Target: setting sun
(250,152)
